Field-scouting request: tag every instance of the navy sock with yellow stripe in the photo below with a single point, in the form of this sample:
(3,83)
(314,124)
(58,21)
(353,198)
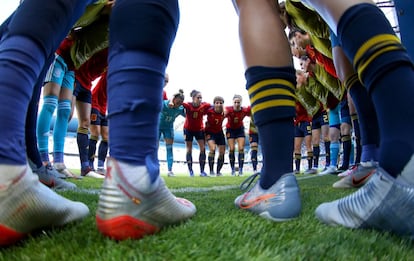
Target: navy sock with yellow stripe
(271,92)
(385,68)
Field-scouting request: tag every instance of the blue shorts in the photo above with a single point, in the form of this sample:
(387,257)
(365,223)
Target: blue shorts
(217,137)
(98,118)
(340,114)
(303,129)
(235,133)
(190,135)
(253,137)
(168,133)
(320,121)
(60,74)
(82,94)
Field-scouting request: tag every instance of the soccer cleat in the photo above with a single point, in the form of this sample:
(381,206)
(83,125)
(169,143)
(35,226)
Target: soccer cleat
(383,203)
(28,205)
(101,170)
(281,202)
(348,171)
(212,174)
(191,173)
(203,174)
(88,172)
(170,174)
(356,177)
(51,181)
(310,171)
(219,174)
(233,172)
(240,173)
(329,170)
(133,207)
(61,168)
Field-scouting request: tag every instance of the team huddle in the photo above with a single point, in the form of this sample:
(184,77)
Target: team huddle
(360,75)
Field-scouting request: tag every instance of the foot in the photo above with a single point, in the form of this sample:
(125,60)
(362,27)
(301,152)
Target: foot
(219,174)
(356,177)
(383,203)
(191,173)
(51,181)
(310,171)
(212,174)
(203,174)
(61,168)
(88,172)
(101,170)
(233,172)
(329,170)
(170,174)
(133,207)
(27,205)
(281,202)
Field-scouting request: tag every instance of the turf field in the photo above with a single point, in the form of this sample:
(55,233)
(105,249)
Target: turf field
(218,231)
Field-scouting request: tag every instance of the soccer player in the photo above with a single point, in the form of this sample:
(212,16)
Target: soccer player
(57,93)
(194,128)
(235,132)
(254,143)
(99,125)
(171,109)
(215,135)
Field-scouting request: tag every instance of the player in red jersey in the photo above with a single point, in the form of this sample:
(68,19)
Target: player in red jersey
(235,131)
(99,125)
(84,76)
(215,135)
(194,128)
(254,143)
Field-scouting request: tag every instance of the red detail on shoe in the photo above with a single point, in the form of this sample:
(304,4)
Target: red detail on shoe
(108,172)
(125,227)
(362,180)
(251,203)
(184,202)
(50,184)
(9,236)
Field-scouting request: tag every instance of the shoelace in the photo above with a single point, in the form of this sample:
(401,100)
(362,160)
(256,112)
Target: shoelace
(249,181)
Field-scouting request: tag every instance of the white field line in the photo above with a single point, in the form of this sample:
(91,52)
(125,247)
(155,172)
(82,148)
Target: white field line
(191,189)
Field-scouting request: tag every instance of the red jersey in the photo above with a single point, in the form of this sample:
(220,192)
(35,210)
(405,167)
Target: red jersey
(316,57)
(301,114)
(194,116)
(64,52)
(235,118)
(164,95)
(99,95)
(214,123)
(92,69)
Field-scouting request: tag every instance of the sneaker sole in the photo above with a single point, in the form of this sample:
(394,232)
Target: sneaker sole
(125,227)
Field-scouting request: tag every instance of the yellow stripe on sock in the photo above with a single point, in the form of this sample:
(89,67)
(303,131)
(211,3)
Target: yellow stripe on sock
(350,81)
(264,83)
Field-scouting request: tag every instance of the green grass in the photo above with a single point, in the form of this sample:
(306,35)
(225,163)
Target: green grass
(218,231)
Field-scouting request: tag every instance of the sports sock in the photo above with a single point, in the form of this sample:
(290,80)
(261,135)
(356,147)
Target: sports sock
(43,125)
(83,142)
(232,159)
(170,156)
(93,140)
(60,129)
(220,162)
(327,152)
(316,153)
(202,160)
(381,61)
(211,160)
(102,152)
(241,161)
(334,151)
(367,117)
(346,150)
(189,159)
(271,92)
(298,158)
(309,157)
(254,158)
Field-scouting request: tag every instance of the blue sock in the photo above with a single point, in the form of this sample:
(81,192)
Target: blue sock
(334,152)
(271,92)
(82,140)
(61,128)
(92,150)
(382,62)
(138,59)
(170,157)
(367,117)
(102,152)
(58,157)
(43,125)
